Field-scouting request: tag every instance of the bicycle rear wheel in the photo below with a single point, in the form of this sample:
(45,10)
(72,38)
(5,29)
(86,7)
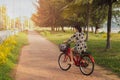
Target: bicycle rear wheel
(86,65)
(63,61)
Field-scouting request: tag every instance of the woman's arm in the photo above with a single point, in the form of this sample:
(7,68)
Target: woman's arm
(71,39)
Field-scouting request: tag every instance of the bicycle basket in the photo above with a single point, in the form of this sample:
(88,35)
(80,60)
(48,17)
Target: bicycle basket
(63,47)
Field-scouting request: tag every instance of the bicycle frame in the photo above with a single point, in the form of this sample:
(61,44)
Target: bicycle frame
(77,58)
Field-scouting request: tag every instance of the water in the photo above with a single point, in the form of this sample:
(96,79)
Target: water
(115,28)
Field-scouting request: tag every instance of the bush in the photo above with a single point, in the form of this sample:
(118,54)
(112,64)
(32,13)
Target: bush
(5,49)
(45,33)
(9,54)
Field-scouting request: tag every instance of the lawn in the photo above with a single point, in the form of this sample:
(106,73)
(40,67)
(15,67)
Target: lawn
(109,59)
(9,54)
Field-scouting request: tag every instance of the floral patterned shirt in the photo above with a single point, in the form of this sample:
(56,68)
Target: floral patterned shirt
(79,40)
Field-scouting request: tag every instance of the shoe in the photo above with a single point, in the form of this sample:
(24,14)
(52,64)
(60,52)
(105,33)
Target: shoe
(71,63)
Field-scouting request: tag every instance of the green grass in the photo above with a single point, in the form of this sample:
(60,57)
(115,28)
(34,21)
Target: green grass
(6,69)
(96,45)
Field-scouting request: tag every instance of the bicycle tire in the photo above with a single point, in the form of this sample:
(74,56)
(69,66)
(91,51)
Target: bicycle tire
(59,62)
(81,67)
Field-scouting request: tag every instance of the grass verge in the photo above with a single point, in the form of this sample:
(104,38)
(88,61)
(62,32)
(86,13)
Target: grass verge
(96,45)
(12,58)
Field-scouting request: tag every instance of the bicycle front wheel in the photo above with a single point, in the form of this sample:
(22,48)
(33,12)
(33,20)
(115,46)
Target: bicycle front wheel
(86,65)
(63,61)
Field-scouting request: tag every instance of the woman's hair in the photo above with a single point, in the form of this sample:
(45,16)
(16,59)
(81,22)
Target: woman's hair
(76,26)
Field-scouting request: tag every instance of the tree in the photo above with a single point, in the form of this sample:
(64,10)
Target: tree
(98,16)
(79,11)
(108,3)
(35,19)
(27,23)
(48,13)
(116,13)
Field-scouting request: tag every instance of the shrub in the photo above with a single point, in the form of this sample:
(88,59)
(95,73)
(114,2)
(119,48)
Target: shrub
(5,49)
(9,54)
(45,33)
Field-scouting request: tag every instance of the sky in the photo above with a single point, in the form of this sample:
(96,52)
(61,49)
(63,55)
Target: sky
(19,8)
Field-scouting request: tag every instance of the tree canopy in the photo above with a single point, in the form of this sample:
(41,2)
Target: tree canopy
(88,13)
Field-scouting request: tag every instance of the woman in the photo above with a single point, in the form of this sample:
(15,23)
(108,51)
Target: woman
(79,39)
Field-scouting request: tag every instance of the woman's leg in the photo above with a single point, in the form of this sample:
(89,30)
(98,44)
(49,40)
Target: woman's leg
(71,55)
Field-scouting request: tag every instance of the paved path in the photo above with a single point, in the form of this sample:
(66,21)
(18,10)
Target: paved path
(38,61)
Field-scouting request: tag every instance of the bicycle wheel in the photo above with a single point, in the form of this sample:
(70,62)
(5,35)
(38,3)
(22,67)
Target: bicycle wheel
(63,62)
(86,65)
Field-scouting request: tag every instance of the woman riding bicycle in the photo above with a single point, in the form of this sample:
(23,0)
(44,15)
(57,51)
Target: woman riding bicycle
(79,40)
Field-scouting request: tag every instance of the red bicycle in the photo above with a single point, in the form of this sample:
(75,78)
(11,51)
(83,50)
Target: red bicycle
(84,61)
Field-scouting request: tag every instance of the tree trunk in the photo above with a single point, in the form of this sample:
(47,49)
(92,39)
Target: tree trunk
(52,28)
(108,45)
(88,17)
(56,29)
(62,28)
(92,30)
(84,29)
(96,29)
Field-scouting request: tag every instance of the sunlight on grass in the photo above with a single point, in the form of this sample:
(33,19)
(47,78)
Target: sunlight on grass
(96,45)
